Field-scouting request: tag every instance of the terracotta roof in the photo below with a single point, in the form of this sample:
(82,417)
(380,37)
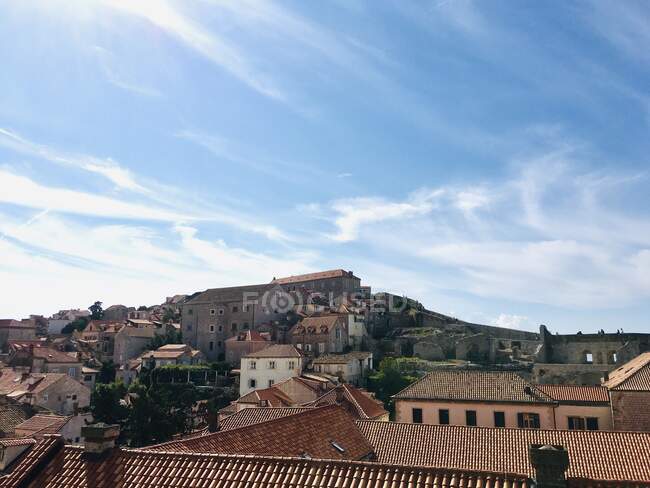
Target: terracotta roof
(320,324)
(364,405)
(39,425)
(226,294)
(276,351)
(272,396)
(30,462)
(633,375)
(248,336)
(470,385)
(11,415)
(53,355)
(334,273)
(596,455)
(575,393)
(251,416)
(13,382)
(325,433)
(19,441)
(145,469)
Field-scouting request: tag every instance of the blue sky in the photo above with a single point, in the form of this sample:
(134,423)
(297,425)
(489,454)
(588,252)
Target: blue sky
(488,158)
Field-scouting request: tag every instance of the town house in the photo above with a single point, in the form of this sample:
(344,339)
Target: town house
(321,334)
(266,367)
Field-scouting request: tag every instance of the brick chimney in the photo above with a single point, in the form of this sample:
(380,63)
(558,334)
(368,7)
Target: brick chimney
(550,464)
(99,439)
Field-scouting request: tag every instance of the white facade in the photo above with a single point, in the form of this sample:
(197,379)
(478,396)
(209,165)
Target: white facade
(263,372)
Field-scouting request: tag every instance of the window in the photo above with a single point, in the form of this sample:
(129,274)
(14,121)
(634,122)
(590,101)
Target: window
(45,397)
(190,311)
(252,365)
(221,328)
(292,365)
(247,308)
(74,397)
(233,327)
(234,308)
(218,343)
(321,347)
(443,416)
(470,417)
(528,420)
(212,328)
(271,383)
(499,419)
(588,357)
(246,326)
(592,423)
(72,372)
(189,327)
(307,347)
(221,311)
(252,383)
(211,346)
(576,423)
(88,378)
(212,311)
(338,333)
(417,415)
(271,364)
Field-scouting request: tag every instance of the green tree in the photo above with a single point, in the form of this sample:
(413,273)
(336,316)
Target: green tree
(389,380)
(78,324)
(107,372)
(96,311)
(171,337)
(106,403)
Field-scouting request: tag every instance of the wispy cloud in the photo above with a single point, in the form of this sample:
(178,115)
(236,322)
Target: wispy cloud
(207,43)
(109,169)
(117,78)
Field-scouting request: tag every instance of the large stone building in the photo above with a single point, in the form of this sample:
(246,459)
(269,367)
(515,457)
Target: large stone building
(213,316)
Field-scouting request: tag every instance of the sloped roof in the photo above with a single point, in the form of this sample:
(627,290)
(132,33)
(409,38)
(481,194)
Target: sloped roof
(146,469)
(226,294)
(52,355)
(17,441)
(316,324)
(594,455)
(365,406)
(273,396)
(251,416)
(39,425)
(276,351)
(471,385)
(248,336)
(633,375)
(12,381)
(321,275)
(315,433)
(30,462)
(576,393)
(12,414)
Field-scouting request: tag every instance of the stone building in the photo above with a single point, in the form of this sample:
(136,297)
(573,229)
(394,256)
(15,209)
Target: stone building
(585,358)
(262,369)
(629,391)
(16,330)
(245,342)
(352,367)
(322,334)
(209,318)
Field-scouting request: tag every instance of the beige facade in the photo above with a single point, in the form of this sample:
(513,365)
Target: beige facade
(484,412)
(269,366)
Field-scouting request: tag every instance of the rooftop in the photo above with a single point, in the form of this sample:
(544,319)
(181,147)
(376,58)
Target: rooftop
(633,375)
(317,325)
(333,273)
(276,351)
(251,416)
(67,467)
(363,404)
(298,435)
(470,385)
(575,393)
(39,425)
(594,455)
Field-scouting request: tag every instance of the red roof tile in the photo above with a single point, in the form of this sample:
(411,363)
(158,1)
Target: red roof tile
(575,393)
(334,273)
(595,455)
(633,375)
(31,462)
(251,416)
(325,433)
(39,425)
(471,385)
(276,351)
(364,405)
(146,469)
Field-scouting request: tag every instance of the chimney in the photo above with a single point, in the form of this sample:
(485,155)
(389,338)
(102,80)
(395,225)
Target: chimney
(550,464)
(213,421)
(99,439)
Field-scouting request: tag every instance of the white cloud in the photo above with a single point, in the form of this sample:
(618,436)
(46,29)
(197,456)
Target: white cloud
(116,76)
(20,190)
(108,168)
(170,19)
(511,321)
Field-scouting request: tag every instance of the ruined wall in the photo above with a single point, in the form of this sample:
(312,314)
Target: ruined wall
(572,374)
